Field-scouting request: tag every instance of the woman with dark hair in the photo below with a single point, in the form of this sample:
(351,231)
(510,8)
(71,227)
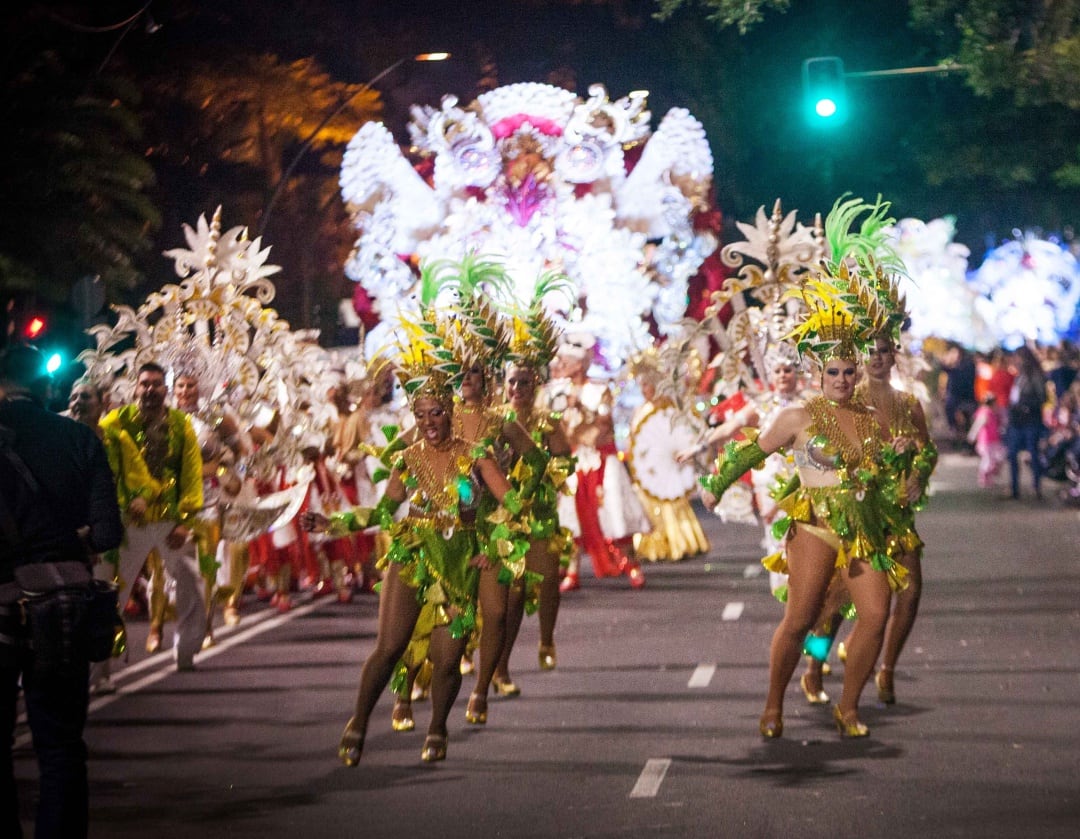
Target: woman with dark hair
(429,590)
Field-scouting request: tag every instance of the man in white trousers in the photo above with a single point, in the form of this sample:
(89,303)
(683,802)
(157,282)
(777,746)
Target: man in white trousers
(154,454)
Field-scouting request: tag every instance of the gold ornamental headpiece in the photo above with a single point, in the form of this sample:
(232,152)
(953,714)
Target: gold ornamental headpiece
(842,317)
(430,362)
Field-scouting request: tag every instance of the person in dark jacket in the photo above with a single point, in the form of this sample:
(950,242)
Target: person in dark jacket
(1025,429)
(71,514)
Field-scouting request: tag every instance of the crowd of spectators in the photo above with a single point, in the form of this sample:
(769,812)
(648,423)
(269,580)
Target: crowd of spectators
(1031,393)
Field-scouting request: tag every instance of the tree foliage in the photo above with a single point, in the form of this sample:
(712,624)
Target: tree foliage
(1029,49)
(74,179)
(742,14)
(254,109)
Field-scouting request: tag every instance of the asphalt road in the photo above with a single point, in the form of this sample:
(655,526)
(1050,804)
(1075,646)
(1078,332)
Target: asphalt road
(648,727)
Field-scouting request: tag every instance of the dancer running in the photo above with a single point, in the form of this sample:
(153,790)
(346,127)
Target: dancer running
(435,554)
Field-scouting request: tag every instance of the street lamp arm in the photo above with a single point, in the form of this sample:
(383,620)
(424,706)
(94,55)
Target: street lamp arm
(306,144)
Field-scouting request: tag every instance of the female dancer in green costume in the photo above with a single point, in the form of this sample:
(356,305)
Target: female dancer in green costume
(838,517)
(435,556)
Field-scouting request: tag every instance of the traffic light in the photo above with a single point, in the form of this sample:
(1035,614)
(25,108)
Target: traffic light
(824,91)
(38,330)
(35,327)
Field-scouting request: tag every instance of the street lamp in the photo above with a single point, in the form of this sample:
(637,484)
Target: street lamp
(306,144)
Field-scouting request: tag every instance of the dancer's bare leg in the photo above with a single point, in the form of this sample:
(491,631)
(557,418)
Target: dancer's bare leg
(398,611)
(870,594)
(904,611)
(445,654)
(493,597)
(810,568)
(540,560)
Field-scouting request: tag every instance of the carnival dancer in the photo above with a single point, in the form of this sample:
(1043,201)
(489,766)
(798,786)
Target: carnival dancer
(223,447)
(784,368)
(481,423)
(608,512)
(663,484)
(838,517)
(542,480)
(902,418)
(550,544)
(357,442)
(159,490)
(325,496)
(435,557)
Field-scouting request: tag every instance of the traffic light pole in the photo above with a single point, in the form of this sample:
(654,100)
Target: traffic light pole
(905,71)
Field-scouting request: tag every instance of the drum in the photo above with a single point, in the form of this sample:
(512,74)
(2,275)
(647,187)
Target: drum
(655,438)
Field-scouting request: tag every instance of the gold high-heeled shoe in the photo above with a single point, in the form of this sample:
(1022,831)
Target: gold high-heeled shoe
(771,724)
(504,687)
(476,710)
(884,682)
(153,639)
(434,749)
(422,684)
(401,718)
(841,652)
(352,744)
(814,697)
(546,654)
(848,724)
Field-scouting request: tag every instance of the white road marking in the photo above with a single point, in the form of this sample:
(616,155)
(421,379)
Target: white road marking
(648,782)
(732,611)
(263,622)
(702,675)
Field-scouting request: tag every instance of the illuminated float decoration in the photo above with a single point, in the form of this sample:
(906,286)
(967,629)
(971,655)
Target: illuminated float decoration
(941,302)
(539,179)
(1029,290)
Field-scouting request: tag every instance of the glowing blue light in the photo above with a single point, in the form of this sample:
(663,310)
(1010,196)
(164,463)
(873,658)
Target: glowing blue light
(53,363)
(817,646)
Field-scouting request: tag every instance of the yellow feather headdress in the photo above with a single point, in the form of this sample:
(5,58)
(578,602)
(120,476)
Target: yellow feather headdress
(431,359)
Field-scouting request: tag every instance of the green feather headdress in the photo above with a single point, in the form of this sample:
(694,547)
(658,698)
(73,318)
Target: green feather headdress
(535,335)
(852,297)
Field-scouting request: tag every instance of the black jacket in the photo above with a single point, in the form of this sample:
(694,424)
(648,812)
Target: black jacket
(77,489)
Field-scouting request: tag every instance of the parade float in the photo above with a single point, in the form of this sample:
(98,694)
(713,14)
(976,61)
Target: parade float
(1028,289)
(539,179)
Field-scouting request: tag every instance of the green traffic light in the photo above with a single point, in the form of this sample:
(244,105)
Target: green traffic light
(825,108)
(824,91)
(54,363)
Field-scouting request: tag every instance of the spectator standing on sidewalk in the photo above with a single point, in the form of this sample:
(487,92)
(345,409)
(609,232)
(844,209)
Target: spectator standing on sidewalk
(71,514)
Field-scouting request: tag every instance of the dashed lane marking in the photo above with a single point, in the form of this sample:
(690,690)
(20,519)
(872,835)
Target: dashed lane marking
(732,611)
(702,675)
(648,782)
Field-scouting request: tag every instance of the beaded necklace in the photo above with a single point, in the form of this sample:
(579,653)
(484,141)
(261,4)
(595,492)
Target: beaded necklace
(823,414)
(437,492)
(893,406)
(486,428)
